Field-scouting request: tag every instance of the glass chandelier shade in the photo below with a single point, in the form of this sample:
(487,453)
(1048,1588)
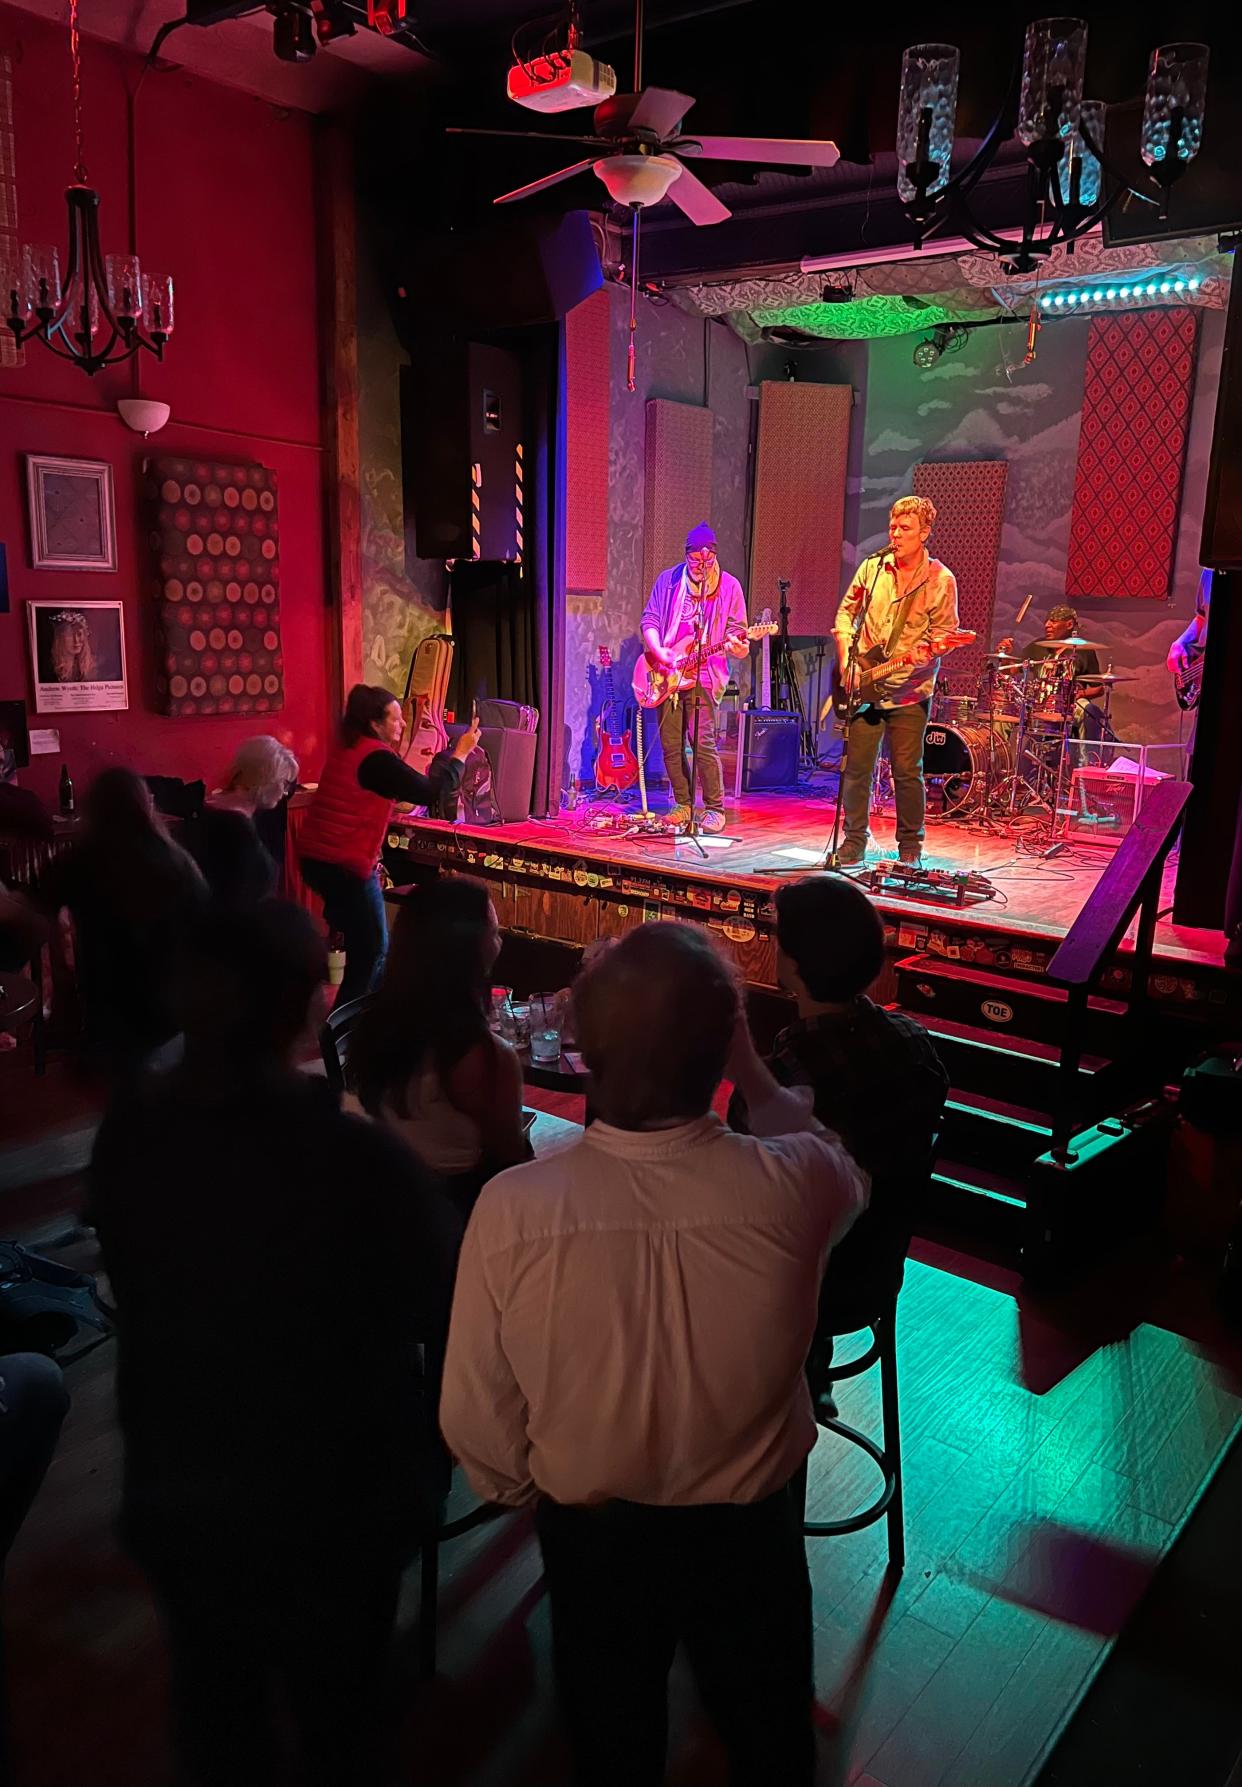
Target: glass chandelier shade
(926,116)
(1078,172)
(1053,67)
(1174,104)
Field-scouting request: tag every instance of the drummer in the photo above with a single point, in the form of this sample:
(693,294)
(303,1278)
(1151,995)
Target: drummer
(1060,639)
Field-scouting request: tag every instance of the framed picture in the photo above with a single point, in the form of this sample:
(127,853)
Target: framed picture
(77,656)
(72,515)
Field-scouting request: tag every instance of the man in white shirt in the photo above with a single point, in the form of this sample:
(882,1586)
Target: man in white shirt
(627,1348)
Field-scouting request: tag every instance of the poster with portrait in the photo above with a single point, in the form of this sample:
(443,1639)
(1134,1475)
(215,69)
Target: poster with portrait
(77,656)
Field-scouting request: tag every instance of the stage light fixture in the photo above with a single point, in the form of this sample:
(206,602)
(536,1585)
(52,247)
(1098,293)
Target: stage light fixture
(1118,294)
(926,353)
(294,38)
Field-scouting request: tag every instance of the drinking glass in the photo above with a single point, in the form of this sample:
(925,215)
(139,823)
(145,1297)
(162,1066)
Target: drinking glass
(545,1029)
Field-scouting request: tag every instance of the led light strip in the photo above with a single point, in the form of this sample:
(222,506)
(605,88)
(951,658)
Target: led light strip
(1119,294)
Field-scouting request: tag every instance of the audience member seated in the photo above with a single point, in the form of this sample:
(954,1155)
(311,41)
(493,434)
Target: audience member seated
(263,776)
(348,820)
(280,1461)
(131,893)
(33,1404)
(626,1351)
(423,1060)
(876,1080)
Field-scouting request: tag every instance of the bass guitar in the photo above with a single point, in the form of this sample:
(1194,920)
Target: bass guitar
(1188,683)
(616,766)
(654,683)
(873,669)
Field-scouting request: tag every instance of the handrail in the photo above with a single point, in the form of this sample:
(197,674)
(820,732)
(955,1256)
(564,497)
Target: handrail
(1119,892)
(1130,882)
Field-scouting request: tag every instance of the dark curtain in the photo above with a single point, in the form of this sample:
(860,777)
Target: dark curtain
(508,620)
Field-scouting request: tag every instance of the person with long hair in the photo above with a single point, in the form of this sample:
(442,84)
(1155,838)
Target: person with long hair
(423,1061)
(131,892)
(340,845)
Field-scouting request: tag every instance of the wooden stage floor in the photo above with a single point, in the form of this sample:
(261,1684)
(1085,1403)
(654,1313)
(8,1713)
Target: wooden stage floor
(1049,1464)
(1035,900)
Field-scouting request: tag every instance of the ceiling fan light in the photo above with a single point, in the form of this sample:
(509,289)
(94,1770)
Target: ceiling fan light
(638,180)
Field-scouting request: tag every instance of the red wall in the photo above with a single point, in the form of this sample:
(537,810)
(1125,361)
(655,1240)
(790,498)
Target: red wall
(225,202)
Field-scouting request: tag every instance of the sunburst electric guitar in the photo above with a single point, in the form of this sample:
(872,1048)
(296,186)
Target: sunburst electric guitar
(654,684)
(872,671)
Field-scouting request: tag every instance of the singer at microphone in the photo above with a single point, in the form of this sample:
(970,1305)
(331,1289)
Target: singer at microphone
(898,616)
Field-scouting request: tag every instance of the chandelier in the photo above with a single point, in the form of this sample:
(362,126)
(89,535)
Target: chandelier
(107,307)
(1069,185)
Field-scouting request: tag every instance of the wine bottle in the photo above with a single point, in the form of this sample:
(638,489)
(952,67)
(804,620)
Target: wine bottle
(66,790)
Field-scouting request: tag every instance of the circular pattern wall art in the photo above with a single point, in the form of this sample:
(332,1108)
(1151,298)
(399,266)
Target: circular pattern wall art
(215,548)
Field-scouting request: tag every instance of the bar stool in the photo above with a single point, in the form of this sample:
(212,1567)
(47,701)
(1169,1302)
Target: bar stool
(885,1453)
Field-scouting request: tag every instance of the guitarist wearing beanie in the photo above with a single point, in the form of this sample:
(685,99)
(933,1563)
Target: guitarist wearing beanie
(694,621)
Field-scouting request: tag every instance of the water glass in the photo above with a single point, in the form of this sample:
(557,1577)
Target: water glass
(545,1029)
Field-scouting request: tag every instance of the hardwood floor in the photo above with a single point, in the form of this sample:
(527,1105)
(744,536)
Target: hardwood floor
(1033,1521)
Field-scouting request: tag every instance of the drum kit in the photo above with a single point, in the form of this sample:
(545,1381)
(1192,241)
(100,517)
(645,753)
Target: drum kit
(1004,753)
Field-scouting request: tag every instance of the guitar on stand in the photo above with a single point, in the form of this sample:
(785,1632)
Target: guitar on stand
(764,630)
(616,766)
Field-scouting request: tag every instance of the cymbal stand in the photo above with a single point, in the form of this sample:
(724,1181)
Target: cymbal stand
(786,693)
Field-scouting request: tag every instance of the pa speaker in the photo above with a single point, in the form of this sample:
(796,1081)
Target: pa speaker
(461,451)
(1221,542)
(511,272)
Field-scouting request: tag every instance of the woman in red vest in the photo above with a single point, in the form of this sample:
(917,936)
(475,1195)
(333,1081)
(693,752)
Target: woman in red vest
(348,820)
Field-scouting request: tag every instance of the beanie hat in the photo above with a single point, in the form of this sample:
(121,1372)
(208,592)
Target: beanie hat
(699,537)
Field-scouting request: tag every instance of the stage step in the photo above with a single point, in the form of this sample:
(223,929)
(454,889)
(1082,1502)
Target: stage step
(1014,1071)
(973,1204)
(1002,1138)
(1027,1010)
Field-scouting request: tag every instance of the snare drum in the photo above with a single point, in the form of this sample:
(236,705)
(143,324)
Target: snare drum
(955,758)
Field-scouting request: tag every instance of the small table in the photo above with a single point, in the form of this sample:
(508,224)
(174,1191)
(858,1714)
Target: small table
(566,1075)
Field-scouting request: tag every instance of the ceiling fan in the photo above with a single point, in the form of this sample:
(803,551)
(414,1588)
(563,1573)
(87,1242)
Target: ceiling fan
(641,152)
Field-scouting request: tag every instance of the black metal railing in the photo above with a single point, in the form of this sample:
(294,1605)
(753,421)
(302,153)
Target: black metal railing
(1130,884)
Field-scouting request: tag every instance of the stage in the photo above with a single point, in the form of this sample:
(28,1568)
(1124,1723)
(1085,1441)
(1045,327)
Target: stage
(575,878)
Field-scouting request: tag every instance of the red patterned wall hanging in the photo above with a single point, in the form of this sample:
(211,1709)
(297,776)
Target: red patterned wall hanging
(588,435)
(970,509)
(215,545)
(1131,453)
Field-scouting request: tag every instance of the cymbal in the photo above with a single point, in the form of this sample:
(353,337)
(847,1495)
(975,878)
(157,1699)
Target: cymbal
(1075,644)
(1003,658)
(1096,676)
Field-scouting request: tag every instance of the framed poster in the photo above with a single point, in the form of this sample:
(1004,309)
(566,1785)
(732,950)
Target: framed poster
(77,656)
(72,515)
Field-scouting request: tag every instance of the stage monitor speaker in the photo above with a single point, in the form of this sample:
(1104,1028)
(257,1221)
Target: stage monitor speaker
(462,453)
(511,272)
(769,755)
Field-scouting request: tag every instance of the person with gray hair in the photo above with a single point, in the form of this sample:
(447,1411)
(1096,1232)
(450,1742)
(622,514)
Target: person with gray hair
(626,1352)
(263,772)
(900,612)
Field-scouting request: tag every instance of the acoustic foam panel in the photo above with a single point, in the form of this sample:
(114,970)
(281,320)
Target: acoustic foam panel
(1131,453)
(799,509)
(677,481)
(588,432)
(970,509)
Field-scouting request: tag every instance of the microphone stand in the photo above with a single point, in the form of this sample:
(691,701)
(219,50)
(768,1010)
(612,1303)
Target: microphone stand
(853,707)
(691,831)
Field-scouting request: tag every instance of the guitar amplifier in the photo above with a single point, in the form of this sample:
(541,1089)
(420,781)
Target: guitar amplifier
(769,754)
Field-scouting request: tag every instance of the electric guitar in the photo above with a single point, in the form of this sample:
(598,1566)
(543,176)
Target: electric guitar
(616,766)
(873,669)
(1188,684)
(764,630)
(654,684)
(423,707)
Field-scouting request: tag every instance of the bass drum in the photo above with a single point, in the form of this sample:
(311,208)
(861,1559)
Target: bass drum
(955,760)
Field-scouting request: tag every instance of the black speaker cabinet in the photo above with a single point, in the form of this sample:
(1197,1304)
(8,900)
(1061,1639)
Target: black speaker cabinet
(461,449)
(769,756)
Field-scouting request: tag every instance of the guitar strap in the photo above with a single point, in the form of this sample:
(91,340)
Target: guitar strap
(901,617)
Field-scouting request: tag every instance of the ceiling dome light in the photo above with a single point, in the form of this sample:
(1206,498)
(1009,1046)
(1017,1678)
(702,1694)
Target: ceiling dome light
(638,180)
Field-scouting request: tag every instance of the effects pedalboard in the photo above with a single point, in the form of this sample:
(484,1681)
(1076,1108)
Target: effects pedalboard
(910,881)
